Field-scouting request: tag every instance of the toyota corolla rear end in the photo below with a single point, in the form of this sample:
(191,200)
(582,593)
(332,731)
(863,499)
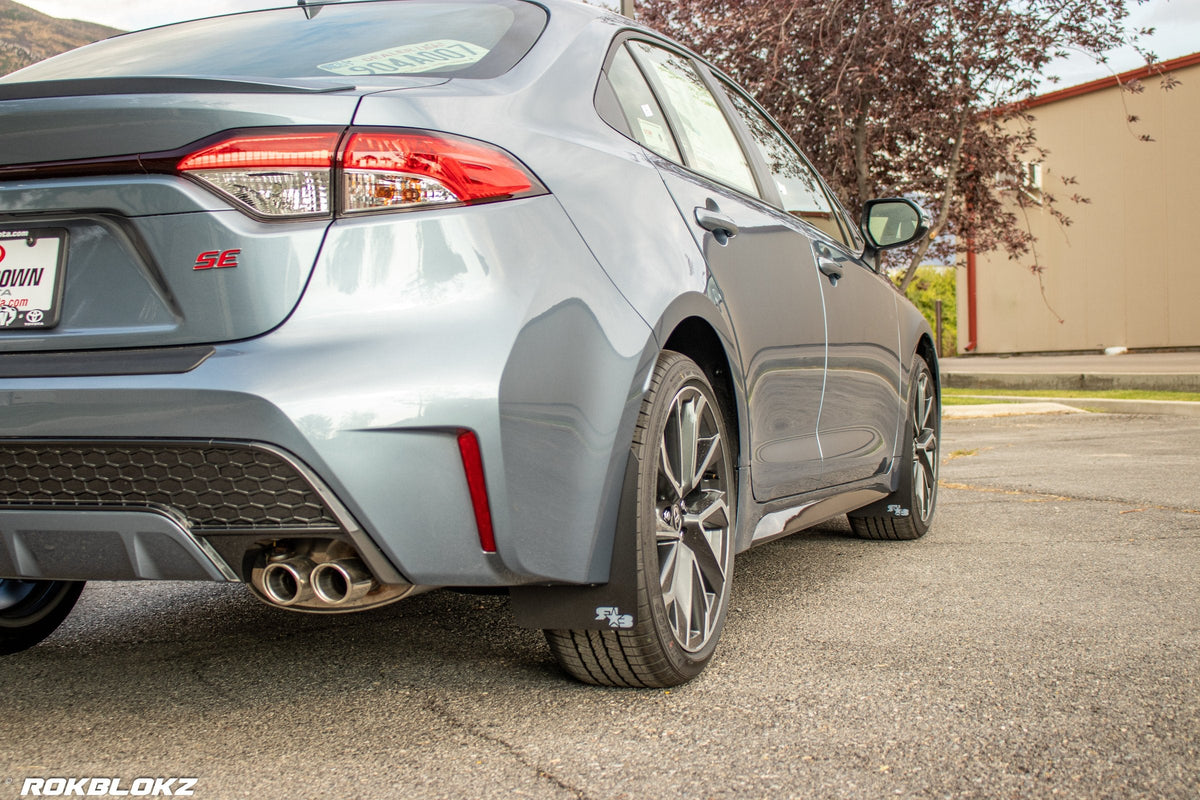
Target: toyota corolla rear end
(243,337)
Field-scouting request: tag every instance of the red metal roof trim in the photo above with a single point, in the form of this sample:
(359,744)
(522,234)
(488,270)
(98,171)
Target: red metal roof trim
(1113,81)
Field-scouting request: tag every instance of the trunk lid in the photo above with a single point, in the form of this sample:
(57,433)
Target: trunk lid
(143,259)
(147,257)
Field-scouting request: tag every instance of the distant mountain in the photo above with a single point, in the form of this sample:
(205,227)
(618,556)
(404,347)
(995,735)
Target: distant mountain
(27,36)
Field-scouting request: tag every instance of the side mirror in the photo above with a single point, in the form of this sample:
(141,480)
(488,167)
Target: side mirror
(893,222)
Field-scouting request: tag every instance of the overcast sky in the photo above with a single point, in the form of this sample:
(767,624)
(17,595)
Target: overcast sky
(1177,23)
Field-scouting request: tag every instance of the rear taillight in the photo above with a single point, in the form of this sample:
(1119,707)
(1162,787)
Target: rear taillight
(403,170)
(298,174)
(283,175)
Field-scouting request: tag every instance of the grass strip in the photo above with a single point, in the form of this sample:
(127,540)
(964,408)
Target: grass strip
(950,400)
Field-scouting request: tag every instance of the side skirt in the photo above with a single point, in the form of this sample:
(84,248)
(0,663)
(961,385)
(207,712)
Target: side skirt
(791,520)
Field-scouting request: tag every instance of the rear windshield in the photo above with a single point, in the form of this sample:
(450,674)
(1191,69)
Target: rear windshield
(435,38)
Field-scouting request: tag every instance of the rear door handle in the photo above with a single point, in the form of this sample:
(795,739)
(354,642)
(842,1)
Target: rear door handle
(711,219)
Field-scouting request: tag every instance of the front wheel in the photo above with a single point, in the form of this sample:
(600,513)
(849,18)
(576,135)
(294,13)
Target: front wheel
(686,488)
(908,512)
(31,610)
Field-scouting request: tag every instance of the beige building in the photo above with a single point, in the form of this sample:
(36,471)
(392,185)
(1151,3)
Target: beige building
(1126,272)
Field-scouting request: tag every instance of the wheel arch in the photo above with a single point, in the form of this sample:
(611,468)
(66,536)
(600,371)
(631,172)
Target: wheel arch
(916,339)
(695,338)
(927,351)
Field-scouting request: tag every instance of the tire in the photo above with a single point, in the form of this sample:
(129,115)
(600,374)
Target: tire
(908,512)
(31,610)
(684,541)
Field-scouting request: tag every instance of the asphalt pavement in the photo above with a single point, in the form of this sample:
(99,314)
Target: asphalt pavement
(1040,641)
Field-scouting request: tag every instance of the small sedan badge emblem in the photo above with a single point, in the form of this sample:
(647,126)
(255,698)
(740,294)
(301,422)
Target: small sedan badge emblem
(217,259)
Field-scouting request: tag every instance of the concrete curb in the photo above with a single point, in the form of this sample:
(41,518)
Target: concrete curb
(1170,408)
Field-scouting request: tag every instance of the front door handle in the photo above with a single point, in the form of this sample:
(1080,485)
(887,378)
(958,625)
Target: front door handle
(711,219)
(830,269)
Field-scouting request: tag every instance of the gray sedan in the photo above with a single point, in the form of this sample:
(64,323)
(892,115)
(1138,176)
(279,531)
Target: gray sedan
(348,301)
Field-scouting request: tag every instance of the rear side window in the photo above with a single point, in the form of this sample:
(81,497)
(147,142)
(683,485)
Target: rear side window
(797,183)
(454,38)
(639,106)
(709,145)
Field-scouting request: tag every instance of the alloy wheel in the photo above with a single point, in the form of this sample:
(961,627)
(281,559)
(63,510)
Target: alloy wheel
(925,445)
(692,519)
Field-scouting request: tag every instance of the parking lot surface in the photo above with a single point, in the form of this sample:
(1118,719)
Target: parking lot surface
(1040,641)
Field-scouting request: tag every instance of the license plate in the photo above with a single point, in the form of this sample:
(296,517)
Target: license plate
(31,278)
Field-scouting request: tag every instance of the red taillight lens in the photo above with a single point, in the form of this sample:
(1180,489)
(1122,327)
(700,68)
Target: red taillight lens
(295,174)
(405,170)
(296,151)
(274,174)
(468,447)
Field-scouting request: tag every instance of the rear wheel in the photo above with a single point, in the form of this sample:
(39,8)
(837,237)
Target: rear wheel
(686,507)
(31,610)
(908,511)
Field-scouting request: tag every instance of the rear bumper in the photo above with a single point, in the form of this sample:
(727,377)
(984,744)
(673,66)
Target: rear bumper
(105,545)
(125,509)
(495,319)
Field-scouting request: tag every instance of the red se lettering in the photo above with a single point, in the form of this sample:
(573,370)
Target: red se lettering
(217,259)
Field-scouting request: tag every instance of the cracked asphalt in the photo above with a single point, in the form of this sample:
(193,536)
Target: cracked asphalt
(1040,641)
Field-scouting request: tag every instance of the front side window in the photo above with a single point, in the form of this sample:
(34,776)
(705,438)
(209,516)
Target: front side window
(454,38)
(708,143)
(799,188)
(857,242)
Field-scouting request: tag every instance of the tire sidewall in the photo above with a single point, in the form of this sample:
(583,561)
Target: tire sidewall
(38,617)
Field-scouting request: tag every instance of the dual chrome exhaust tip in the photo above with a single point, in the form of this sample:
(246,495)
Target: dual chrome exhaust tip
(298,580)
(320,576)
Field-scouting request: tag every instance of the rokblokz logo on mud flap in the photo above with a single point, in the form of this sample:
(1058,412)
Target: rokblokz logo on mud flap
(108,787)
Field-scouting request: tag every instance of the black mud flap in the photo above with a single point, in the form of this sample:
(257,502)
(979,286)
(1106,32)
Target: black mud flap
(885,506)
(595,606)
